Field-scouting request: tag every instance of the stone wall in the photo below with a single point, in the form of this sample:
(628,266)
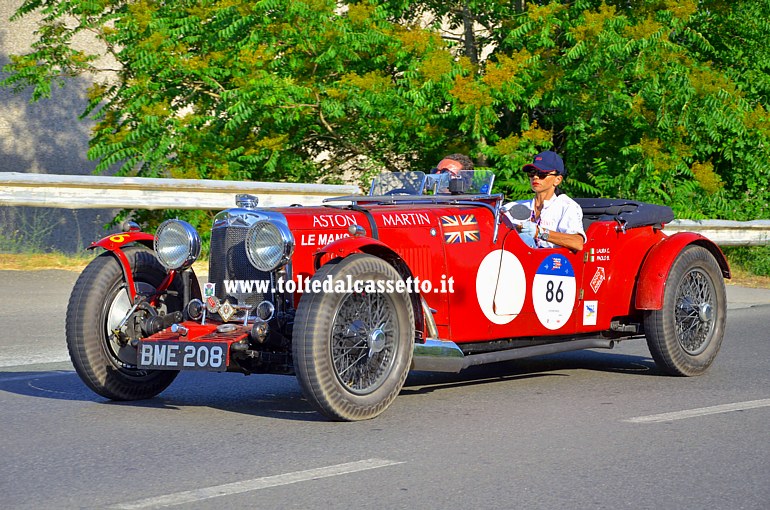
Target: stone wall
(43,137)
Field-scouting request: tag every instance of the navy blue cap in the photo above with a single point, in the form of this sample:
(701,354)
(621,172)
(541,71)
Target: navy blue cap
(547,161)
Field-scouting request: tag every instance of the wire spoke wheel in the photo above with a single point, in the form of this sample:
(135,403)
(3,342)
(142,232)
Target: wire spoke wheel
(685,335)
(695,302)
(352,351)
(364,341)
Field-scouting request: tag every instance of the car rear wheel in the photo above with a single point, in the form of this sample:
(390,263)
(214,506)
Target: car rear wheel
(352,350)
(685,335)
(101,324)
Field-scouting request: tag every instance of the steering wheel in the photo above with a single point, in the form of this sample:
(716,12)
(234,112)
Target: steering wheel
(398,191)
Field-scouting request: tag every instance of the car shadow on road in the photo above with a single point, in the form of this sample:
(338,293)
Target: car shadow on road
(52,384)
(554,365)
(268,396)
(279,397)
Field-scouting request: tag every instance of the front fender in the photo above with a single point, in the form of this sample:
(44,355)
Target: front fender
(361,244)
(114,244)
(653,276)
(347,246)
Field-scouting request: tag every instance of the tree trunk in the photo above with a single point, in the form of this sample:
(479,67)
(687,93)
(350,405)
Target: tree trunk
(471,51)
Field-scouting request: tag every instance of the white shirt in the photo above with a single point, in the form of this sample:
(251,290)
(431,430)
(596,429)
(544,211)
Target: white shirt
(559,214)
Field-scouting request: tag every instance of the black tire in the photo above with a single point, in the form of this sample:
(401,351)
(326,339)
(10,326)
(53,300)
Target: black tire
(98,303)
(352,351)
(685,335)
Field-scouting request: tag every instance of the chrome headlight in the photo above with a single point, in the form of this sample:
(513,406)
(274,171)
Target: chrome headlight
(177,244)
(269,245)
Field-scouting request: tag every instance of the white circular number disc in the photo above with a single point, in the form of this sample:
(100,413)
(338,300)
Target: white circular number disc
(501,286)
(553,291)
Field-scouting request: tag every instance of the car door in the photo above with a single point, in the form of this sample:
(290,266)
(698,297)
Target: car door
(541,287)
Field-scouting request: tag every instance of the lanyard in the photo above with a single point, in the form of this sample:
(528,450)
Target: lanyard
(536,221)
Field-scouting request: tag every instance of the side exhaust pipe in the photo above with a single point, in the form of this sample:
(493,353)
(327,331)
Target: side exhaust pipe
(445,356)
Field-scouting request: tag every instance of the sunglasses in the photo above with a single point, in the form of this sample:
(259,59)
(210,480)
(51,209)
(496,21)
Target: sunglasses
(437,170)
(540,174)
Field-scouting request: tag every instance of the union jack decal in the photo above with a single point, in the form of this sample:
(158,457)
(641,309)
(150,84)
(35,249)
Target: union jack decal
(462,228)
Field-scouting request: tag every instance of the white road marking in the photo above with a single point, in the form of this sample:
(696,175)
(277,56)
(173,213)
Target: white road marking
(702,411)
(29,377)
(180,498)
(22,359)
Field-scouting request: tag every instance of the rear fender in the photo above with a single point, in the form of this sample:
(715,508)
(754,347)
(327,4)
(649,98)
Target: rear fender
(651,284)
(349,245)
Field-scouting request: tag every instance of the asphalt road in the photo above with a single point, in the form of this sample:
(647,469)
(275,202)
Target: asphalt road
(576,430)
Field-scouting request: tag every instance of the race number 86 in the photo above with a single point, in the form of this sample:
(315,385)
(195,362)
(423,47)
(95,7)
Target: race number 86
(549,293)
(553,291)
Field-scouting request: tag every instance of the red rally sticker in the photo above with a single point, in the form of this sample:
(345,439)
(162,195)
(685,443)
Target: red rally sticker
(598,279)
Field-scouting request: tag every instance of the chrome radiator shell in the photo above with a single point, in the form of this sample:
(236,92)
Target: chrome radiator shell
(228,259)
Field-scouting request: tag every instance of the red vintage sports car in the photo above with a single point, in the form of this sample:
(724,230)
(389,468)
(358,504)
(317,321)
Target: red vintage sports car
(424,273)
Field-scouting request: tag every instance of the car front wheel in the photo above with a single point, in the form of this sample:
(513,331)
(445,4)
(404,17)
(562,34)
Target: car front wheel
(685,335)
(352,347)
(102,325)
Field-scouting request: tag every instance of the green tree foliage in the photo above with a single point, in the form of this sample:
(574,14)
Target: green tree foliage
(234,89)
(229,89)
(658,100)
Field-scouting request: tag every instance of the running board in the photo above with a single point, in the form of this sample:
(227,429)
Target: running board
(444,356)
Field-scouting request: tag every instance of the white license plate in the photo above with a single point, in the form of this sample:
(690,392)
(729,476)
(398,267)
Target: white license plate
(182,356)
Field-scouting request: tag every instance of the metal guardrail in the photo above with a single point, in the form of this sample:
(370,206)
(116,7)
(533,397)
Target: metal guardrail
(726,232)
(95,192)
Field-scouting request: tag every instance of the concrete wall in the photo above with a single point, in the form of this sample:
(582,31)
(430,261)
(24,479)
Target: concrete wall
(44,137)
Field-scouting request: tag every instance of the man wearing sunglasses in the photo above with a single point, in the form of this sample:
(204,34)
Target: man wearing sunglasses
(449,168)
(453,164)
(556,219)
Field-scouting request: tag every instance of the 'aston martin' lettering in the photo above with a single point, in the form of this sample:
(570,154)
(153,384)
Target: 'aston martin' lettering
(333,220)
(405,219)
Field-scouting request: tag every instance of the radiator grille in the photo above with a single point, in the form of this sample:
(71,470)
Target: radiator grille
(228,261)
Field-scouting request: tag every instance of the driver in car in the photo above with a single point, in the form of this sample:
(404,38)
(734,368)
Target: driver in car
(555,219)
(453,164)
(449,168)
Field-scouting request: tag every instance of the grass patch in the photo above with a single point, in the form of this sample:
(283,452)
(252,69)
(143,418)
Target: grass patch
(743,278)
(38,261)
(753,259)
(65,262)
(750,265)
